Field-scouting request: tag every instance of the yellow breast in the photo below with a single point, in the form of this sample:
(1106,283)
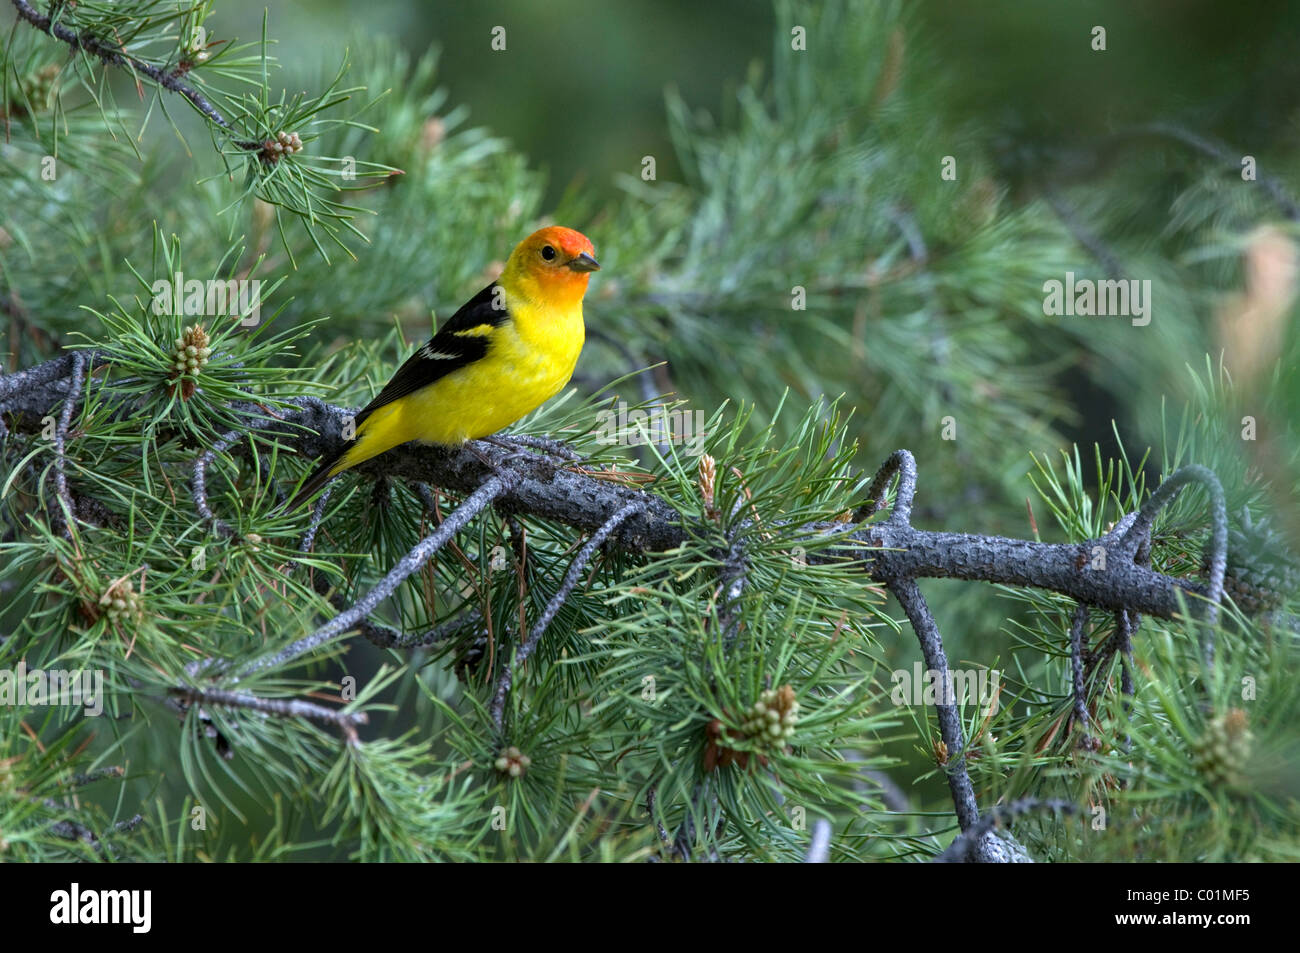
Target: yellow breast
(530,358)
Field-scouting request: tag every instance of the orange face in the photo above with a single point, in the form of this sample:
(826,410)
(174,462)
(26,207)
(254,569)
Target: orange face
(557,258)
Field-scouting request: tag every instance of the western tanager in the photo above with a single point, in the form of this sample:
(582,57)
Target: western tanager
(508,350)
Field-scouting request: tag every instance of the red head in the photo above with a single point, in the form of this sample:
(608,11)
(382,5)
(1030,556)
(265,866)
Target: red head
(552,264)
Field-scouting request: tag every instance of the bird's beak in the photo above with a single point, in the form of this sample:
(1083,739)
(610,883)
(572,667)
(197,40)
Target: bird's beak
(584,262)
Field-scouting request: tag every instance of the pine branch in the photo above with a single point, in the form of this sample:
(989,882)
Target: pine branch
(347,620)
(199,486)
(75,831)
(902,465)
(1077,624)
(1229,158)
(117,56)
(1165,494)
(1084,235)
(819,848)
(61,442)
(317,514)
(387,638)
(347,722)
(506,475)
(561,595)
(960,849)
(888,550)
(936,660)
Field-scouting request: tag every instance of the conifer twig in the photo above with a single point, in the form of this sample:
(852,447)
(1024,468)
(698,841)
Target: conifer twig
(902,464)
(387,638)
(1108,260)
(199,483)
(561,596)
(894,797)
(650,797)
(426,496)
(909,597)
(686,833)
(1127,623)
(732,576)
(960,849)
(78,363)
(73,830)
(117,56)
(1230,158)
(32,391)
(408,565)
(1137,538)
(1077,624)
(819,848)
(887,549)
(536,442)
(347,722)
(317,514)
(113,772)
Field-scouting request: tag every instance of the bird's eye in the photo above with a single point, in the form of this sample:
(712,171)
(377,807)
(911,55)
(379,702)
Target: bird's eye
(548,252)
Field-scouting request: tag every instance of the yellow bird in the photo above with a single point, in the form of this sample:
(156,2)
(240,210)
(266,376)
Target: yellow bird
(507,351)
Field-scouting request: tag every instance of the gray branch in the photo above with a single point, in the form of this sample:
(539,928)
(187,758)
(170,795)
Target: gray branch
(116,55)
(969,840)
(819,848)
(888,550)
(936,660)
(562,594)
(348,722)
(409,564)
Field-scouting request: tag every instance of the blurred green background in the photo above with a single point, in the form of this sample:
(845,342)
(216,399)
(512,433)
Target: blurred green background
(580,87)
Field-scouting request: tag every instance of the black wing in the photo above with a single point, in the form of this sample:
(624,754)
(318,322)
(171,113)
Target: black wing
(448,350)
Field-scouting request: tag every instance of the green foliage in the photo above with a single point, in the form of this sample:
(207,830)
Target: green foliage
(640,728)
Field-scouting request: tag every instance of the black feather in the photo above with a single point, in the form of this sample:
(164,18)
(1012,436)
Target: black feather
(421,370)
(460,350)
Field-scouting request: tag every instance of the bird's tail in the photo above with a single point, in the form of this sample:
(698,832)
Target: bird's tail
(376,432)
(319,477)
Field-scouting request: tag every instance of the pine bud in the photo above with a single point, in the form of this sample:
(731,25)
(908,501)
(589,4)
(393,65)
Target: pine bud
(121,603)
(512,762)
(1222,751)
(190,355)
(773,717)
(284,143)
(708,479)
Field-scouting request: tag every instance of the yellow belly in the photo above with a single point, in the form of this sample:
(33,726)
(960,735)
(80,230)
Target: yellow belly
(528,363)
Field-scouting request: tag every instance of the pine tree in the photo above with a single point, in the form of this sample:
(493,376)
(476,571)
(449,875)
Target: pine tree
(681,618)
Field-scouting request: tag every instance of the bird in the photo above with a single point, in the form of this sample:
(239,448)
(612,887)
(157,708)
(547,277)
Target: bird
(507,351)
